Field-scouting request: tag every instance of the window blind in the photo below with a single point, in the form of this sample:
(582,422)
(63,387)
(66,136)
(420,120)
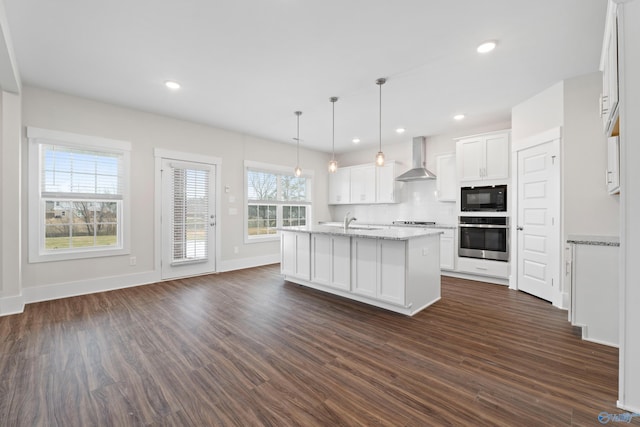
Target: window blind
(190,221)
(74,173)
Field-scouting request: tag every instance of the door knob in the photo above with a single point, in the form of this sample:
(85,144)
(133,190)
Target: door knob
(519,228)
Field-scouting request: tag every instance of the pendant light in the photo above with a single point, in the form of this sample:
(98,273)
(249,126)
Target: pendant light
(333,164)
(380,155)
(298,171)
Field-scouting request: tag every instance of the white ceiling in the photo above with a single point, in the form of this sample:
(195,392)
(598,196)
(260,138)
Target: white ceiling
(247,65)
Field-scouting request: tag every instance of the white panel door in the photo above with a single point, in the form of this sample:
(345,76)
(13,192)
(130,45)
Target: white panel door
(538,219)
(188,219)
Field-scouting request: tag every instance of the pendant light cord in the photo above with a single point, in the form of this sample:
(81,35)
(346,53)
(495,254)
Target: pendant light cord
(380,119)
(298,113)
(333,127)
(380,82)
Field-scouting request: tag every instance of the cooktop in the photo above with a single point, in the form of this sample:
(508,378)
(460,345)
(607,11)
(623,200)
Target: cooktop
(414,222)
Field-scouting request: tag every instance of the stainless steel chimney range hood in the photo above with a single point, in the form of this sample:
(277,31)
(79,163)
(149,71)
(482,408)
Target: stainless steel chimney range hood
(418,171)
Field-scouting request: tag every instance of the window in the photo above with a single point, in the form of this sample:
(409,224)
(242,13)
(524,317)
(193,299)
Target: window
(78,196)
(275,198)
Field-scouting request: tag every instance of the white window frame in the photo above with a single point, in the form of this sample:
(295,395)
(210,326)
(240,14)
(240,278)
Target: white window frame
(282,170)
(37,252)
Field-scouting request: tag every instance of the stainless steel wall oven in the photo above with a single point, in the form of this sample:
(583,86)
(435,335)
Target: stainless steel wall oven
(484,237)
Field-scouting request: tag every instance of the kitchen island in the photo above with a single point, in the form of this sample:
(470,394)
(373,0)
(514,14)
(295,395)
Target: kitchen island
(397,269)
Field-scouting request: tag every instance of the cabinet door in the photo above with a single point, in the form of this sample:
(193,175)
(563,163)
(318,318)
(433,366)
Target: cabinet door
(303,255)
(288,253)
(496,157)
(470,159)
(613,165)
(363,184)
(391,278)
(386,183)
(364,266)
(446,183)
(321,259)
(340,186)
(609,99)
(341,262)
(447,250)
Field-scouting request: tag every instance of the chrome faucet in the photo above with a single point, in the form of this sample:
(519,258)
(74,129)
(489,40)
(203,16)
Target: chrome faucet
(348,220)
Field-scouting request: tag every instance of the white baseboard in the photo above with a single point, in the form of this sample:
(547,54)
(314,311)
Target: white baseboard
(629,408)
(11,305)
(14,305)
(89,286)
(239,264)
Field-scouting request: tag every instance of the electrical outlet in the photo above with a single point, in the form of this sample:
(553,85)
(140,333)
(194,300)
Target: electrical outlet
(132,261)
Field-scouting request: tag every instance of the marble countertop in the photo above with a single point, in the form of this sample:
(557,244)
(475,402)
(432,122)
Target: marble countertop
(396,233)
(362,224)
(581,239)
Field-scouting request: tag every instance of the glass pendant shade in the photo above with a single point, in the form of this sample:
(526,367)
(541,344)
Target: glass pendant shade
(298,171)
(333,165)
(380,158)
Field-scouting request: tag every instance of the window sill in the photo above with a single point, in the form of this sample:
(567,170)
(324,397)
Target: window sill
(73,255)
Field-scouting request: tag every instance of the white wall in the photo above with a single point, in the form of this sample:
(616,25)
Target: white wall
(538,114)
(588,207)
(57,111)
(418,200)
(629,382)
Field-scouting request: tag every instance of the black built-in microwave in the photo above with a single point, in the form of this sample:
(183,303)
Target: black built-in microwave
(491,198)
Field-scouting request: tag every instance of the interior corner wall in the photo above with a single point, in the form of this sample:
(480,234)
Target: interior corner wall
(10,213)
(588,207)
(57,111)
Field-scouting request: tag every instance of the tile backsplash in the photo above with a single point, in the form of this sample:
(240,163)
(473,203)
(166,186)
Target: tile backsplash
(417,202)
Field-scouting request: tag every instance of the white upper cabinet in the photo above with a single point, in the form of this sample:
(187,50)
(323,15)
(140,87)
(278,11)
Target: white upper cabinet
(363,184)
(446,181)
(483,157)
(386,183)
(340,186)
(609,67)
(613,165)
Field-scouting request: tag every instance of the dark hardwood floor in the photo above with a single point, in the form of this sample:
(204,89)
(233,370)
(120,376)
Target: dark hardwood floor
(247,349)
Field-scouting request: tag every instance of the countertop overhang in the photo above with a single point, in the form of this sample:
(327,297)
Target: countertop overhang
(404,233)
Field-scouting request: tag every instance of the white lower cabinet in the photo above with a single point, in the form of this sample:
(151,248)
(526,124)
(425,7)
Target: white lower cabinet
(401,275)
(364,261)
(391,273)
(379,269)
(483,267)
(296,260)
(331,261)
(448,250)
(594,292)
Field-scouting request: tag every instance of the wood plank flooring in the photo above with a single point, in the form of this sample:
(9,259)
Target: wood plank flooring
(246,348)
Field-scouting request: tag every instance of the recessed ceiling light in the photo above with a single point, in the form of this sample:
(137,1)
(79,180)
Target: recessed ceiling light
(355,140)
(487,47)
(458,117)
(400,130)
(172,85)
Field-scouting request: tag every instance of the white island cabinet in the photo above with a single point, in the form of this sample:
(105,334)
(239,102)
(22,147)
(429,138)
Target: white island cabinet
(395,269)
